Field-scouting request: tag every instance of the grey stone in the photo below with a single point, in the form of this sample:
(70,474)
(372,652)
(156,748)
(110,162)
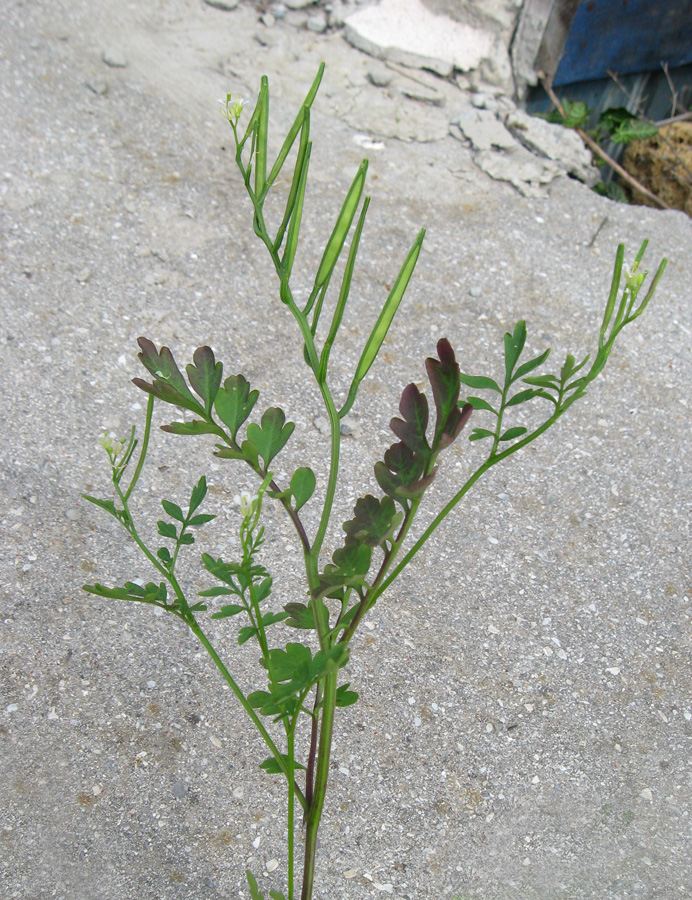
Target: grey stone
(554,142)
(520,168)
(179,790)
(114,58)
(379,76)
(317,23)
(408,33)
(299,4)
(482,128)
(268,20)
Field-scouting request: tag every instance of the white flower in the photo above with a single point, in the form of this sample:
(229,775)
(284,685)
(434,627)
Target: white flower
(634,279)
(246,501)
(111,445)
(231,107)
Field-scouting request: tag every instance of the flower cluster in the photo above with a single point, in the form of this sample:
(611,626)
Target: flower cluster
(231,107)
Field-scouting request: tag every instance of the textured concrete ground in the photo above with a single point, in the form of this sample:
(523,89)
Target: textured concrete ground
(525,721)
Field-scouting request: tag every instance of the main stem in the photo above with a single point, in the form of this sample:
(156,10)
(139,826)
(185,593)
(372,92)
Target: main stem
(320,788)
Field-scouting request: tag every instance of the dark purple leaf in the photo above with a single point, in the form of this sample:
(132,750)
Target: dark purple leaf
(411,429)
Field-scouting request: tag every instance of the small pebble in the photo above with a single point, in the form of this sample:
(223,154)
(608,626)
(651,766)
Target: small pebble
(83,276)
(475,291)
(317,23)
(379,76)
(73,515)
(646,794)
(215,741)
(114,58)
(13,707)
(268,20)
(272,865)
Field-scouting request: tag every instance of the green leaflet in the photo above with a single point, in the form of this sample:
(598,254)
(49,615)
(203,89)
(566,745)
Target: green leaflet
(271,436)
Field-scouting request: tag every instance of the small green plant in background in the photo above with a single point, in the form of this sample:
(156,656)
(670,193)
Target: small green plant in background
(304,646)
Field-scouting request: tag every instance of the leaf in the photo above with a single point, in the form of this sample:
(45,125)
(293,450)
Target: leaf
(445,383)
(169,384)
(245,634)
(271,765)
(194,427)
(291,664)
(342,226)
(196,521)
(164,555)
(480,381)
(520,397)
(576,113)
(379,332)
(271,618)
(353,558)
(271,436)
(479,433)
(173,510)
(108,505)
(479,403)
(633,130)
(167,530)
(234,402)
(546,381)
(512,433)
(375,521)
(302,485)
(204,375)
(532,364)
(199,492)
(254,890)
(514,344)
(276,895)
(231,610)
(456,420)
(411,429)
(301,616)
(344,697)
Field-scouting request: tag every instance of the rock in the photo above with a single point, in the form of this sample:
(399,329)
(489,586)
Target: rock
(222,4)
(114,58)
(83,276)
(317,23)
(555,142)
(405,31)
(268,20)
(526,172)
(179,790)
(482,128)
(379,76)
(299,4)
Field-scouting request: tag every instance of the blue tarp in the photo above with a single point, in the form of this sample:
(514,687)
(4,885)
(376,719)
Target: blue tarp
(625,36)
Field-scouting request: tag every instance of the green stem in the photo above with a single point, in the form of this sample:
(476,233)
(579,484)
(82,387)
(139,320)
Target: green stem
(444,512)
(145,445)
(322,773)
(201,636)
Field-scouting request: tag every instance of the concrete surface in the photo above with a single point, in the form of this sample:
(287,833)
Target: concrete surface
(525,720)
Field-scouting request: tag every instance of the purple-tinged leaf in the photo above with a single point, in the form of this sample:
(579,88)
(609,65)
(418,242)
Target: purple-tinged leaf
(194,427)
(411,429)
(168,394)
(375,521)
(454,425)
(166,372)
(445,383)
(416,489)
(204,375)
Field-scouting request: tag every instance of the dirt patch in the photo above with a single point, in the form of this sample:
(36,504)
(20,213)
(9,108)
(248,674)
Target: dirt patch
(663,164)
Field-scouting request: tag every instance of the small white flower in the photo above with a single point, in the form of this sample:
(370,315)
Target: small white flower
(111,445)
(231,107)
(634,279)
(246,501)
